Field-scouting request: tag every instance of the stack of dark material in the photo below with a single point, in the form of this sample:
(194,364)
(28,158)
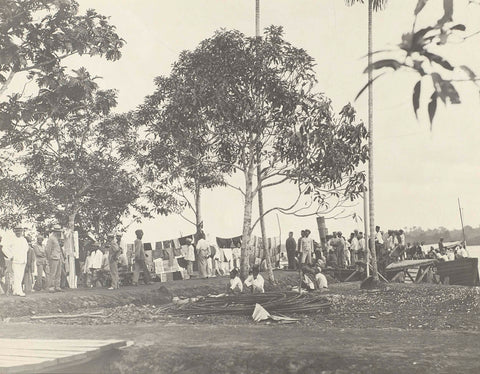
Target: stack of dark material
(244,304)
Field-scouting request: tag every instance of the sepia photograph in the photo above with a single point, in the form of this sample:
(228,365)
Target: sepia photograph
(239,186)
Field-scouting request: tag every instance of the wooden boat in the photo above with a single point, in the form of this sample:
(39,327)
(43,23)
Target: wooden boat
(414,270)
(48,356)
(463,271)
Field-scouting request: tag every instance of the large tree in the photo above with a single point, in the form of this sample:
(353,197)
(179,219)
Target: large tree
(36,36)
(73,169)
(256,97)
(176,155)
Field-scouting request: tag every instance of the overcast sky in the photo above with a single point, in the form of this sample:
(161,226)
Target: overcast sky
(419,174)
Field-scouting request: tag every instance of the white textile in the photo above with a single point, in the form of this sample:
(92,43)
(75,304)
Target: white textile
(321,280)
(16,250)
(236,284)
(97,260)
(257,283)
(18,272)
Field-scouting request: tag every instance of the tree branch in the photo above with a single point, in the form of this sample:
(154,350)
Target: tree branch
(283,210)
(235,188)
(186,219)
(7,82)
(270,184)
(40,64)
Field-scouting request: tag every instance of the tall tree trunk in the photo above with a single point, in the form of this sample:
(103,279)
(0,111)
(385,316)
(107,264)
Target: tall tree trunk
(370,143)
(198,208)
(70,253)
(71,220)
(247,221)
(266,250)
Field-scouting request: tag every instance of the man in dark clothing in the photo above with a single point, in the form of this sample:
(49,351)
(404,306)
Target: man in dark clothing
(291,246)
(440,245)
(139,265)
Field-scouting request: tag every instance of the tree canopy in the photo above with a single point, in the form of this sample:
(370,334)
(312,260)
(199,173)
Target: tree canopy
(253,99)
(73,166)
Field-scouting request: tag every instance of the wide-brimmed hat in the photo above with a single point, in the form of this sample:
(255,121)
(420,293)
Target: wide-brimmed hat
(57,228)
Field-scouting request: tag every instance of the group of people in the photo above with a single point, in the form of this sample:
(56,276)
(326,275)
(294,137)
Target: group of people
(209,258)
(254,283)
(27,266)
(447,253)
(20,257)
(339,252)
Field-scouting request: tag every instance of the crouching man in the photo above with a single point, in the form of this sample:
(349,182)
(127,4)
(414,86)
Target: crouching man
(255,281)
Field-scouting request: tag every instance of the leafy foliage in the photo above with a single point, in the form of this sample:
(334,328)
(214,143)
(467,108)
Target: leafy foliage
(255,97)
(377,4)
(72,166)
(178,152)
(417,48)
(35,35)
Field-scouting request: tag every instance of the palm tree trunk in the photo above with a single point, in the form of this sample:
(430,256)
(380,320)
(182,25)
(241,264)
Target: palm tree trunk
(266,250)
(370,143)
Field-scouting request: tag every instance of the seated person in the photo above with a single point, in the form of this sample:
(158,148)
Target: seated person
(461,252)
(320,278)
(450,255)
(236,285)
(255,281)
(313,279)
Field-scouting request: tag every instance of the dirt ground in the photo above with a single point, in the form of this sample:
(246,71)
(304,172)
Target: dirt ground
(403,328)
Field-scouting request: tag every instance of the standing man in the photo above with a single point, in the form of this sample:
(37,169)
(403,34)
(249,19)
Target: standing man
(339,245)
(291,245)
(113,255)
(354,247)
(378,241)
(440,245)
(190,256)
(29,268)
(54,256)
(139,264)
(361,247)
(42,264)
(16,251)
(203,251)
(306,248)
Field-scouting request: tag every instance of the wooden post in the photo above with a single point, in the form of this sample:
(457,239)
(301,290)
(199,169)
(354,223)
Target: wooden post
(322,231)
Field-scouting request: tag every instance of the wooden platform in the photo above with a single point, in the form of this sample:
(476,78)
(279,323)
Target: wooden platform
(38,355)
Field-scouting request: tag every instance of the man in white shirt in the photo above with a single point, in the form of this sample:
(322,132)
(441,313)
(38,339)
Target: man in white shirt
(461,252)
(16,251)
(255,281)
(361,246)
(202,254)
(306,247)
(378,235)
(236,285)
(354,247)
